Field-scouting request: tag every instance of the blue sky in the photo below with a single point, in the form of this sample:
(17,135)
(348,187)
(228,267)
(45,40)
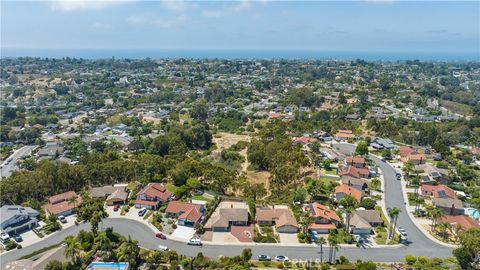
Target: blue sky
(387,26)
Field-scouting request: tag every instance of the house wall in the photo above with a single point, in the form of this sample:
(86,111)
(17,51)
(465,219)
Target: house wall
(287,229)
(361,231)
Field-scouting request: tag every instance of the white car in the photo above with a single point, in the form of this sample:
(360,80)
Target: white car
(4,237)
(281,258)
(162,248)
(194,242)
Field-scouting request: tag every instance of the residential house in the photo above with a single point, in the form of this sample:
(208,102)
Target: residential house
(325,219)
(357,162)
(187,214)
(331,154)
(152,196)
(449,206)
(16,218)
(405,151)
(344,135)
(51,149)
(354,172)
(304,140)
(357,183)
(415,159)
(380,143)
(437,191)
(111,194)
(343,190)
(55,254)
(465,222)
(363,221)
(228,214)
(433,173)
(63,204)
(279,215)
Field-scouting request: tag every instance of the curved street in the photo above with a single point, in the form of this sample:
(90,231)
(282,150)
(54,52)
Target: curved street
(420,244)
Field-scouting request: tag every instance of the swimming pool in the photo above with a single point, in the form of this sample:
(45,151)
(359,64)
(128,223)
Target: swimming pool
(473,213)
(108,266)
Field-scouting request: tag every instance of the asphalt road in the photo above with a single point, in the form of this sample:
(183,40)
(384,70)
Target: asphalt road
(420,245)
(7,169)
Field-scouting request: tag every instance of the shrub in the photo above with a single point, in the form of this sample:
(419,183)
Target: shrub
(10,245)
(410,259)
(174,226)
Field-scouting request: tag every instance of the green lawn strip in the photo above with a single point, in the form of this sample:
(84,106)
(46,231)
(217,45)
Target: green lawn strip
(42,250)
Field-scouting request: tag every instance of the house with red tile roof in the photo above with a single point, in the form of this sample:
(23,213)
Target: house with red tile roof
(465,222)
(61,204)
(304,140)
(406,151)
(343,135)
(416,159)
(325,219)
(354,172)
(357,162)
(343,190)
(152,196)
(187,214)
(437,191)
(279,215)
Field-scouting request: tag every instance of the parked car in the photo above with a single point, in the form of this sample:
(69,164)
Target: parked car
(162,248)
(116,207)
(17,237)
(194,242)
(142,212)
(264,258)
(281,258)
(160,235)
(62,219)
(4,237)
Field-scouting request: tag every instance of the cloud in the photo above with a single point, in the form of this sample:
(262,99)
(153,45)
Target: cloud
(170,23)
(98,25)
(136,19)
(212,13)
(442,32)
(75,5)
(238,6)
(178,5)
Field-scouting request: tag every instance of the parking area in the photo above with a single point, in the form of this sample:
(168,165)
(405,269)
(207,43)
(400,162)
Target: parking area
(70,221)
(29,237)
(183,232)
(288,238)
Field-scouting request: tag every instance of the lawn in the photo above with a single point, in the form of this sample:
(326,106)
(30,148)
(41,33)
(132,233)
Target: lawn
(171,187)
(201,198)
(381,238)
(332,171)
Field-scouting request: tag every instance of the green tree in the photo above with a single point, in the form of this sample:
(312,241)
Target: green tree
(349,203)
(393,213)
(199,110)
(468,254)
(129,251)
(321,241)
(362,149)
(72,246)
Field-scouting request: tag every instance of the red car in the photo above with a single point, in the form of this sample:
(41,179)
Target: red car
(116,207)
(161,236)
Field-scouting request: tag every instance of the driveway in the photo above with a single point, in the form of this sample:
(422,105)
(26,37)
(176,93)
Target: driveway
(183,233)
(288,238)
(29,237)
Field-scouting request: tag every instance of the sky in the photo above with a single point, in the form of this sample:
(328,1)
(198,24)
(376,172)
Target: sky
(368,26)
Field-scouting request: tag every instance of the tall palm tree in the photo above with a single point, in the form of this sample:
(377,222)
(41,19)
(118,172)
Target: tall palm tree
(331,241)
(443,227)
(393,214)
(72,247)
(335,247)
(103,242)
(407,169)
(129,251)
(436,215)
(321,241)
(349,203)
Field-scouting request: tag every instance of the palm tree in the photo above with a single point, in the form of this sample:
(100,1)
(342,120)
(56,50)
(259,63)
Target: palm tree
(393,214)
(129,251)
(321,241)
(332,239)
(72,245)
(335,246)
(443,227)
(436,214)
(349,203)
(305,221)
(458,228)
(375,184)
(407,169)
(103,242)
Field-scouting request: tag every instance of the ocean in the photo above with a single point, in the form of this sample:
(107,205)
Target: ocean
(234,54)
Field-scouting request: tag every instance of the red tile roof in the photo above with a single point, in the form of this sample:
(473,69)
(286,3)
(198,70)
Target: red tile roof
(344,134)
(193,214)
(62,197)
(465,221)
(322,211)
(436,191)
(305,140)
(190,211)
(61,207)
(156,190)
(405,151)
(348,190)
(145,202)
(355,172)
(329,226)
(357,159)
